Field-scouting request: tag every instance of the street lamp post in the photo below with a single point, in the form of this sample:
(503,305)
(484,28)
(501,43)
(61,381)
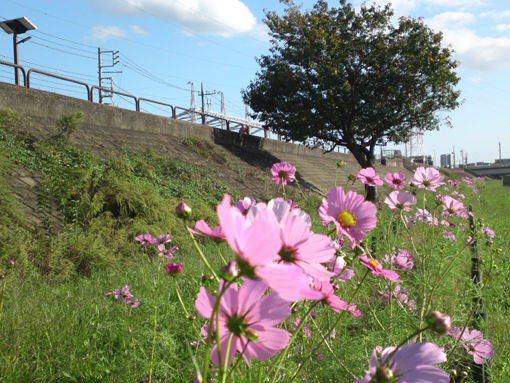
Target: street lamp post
(17,27)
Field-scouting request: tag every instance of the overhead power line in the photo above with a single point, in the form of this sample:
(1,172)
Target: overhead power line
(130,40)
(62,45)
(61,50)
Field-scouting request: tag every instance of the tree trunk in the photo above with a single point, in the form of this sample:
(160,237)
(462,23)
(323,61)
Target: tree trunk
(366,159)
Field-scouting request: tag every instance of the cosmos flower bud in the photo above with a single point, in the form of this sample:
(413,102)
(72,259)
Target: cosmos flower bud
(230,271)
(182,210)
(440,323)
(173,268)
(2,276)
(251,335)
(192,318)
(207,278)
(383,375)
(10,263)
(341,164)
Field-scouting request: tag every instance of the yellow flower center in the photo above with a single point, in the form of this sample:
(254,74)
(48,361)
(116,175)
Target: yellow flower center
(346,219)
(373,263)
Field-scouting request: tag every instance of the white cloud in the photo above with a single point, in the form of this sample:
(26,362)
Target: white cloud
(502,27)
(103,33)
(216,17)
(476,52)
(450,20)
(496,15)
(140,29)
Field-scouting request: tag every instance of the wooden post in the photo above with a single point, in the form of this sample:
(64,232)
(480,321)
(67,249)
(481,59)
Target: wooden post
(476,276)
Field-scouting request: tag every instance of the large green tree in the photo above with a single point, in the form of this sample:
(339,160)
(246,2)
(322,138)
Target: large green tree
(338,77)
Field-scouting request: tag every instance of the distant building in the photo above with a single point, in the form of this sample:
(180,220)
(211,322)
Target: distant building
(426,160)
(503,161)
(448,160)
(391,153)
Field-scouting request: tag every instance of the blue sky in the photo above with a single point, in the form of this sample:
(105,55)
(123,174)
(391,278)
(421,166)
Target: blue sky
(165,45)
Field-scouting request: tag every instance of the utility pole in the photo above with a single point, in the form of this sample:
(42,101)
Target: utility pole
(115,61)
(223,111)
(500,151)
(202,94)
(100,64)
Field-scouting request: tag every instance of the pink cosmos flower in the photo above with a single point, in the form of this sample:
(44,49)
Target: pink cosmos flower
(168,253)
(281,210)
(350,213)
(173,268)
(283,172)
(306,331)
(124,296)
(354,311)
(144,239)
(400,201)
(447,234)
(427,178)
(338,266)
(395,180)
(257,246)
(368,177)
(377,269)
(205,231)
(399,297)
(452,207)
(329,296)
(245,204)
(409,364)
(400,260)
(299,246)
(488,231)
(163,238)
(474,344)
(248,315)
(423,215)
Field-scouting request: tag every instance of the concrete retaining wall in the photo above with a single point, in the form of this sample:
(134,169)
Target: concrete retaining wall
(38,104)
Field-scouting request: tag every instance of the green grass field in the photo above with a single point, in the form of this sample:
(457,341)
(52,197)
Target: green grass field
(57,326)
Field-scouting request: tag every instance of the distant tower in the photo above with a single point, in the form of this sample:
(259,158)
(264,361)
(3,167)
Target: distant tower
(193,104)
(223,111)
(415,144)
(246,112)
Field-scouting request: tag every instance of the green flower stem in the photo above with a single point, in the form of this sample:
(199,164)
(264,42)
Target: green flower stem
(209,333)
(283,190)
(204,259)
(472,312)
(376,318)
(303,194)
(221,255)
(332,328)
(292,339)
(151,365)
(225,366)
(197,333)
(331,350)
(238,360)
(2,295)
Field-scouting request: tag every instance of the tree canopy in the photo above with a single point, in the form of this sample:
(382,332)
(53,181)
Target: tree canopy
(338,77)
